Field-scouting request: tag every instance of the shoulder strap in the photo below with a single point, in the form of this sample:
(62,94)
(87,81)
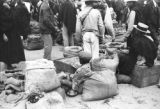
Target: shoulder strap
(82,20)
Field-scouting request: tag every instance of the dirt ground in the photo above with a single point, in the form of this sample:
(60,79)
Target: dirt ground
(129,97)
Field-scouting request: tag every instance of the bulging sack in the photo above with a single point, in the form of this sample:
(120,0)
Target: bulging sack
(102,64)
(100,85)
(41,79)
(71,51)
(35,27)
(33,42)
(84,57)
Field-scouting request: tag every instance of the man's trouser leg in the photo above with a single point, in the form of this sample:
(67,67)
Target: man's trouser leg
(47,46)
(65,36)
(71,40)
(91,44)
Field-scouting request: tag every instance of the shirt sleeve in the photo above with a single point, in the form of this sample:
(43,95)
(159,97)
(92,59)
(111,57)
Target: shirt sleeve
(48,19)
(130,23)
(109,23)
(78,25)
(100,25)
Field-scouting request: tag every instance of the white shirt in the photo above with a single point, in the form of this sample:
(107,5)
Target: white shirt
(130,23)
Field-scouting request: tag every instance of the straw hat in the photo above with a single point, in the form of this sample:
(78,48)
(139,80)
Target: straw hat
(92,0)
(142,27)
(130,0)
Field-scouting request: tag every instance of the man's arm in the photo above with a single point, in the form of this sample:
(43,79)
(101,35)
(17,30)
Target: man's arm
(109,23)
(130,23)
(48,19)
(100,25)
(78,25)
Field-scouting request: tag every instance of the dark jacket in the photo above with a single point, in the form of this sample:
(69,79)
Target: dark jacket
(46,19)
(21,20)
(14,22)
(152,15)
(5,27)
(68,15)
(5,18)
(152,19)
(139,14)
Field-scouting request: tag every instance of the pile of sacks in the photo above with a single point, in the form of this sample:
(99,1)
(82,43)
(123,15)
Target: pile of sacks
(41,86)
(42,82)
(95,80)
(12,83)
(102,84)
(34,40)
(40,75)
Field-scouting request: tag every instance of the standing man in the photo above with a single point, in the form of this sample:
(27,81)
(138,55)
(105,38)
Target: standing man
(90,25)
(47,25)
(152,18)
(136,15)
(68,17)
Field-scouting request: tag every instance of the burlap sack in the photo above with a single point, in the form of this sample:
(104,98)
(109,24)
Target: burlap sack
(101,85)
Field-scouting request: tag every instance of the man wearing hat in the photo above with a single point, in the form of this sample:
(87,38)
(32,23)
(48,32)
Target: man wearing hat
(90,25)
(135,16)
(141,44)
(67,16)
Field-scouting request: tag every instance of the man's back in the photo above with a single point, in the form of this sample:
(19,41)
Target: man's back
(93,21)
(46,18)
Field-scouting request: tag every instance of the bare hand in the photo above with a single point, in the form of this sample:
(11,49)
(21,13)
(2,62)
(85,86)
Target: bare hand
(6,5)
(5,38)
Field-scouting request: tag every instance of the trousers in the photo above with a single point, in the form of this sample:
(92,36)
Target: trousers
(91,44)
(47,39)
(68,39)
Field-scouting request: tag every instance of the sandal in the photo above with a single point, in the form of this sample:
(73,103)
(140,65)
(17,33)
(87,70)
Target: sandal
(71,93)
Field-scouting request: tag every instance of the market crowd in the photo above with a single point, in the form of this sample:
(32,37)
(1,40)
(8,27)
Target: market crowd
(88,22)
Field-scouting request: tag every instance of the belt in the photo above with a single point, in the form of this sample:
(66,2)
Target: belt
(90,30)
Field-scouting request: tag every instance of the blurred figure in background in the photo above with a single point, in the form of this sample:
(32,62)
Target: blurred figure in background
(136,15)
(47,25)
(102,6)
(152,18)
(118,6)
(67,16)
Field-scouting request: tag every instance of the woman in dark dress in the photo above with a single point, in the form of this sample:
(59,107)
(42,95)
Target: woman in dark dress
(5,29)
(21,19)
(18,26)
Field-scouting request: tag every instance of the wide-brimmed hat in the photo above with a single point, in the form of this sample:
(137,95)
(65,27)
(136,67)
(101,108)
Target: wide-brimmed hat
(130,0)
(142,27)
(92,0)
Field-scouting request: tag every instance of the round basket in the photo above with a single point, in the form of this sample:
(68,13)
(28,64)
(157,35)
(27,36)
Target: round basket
(70,51)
